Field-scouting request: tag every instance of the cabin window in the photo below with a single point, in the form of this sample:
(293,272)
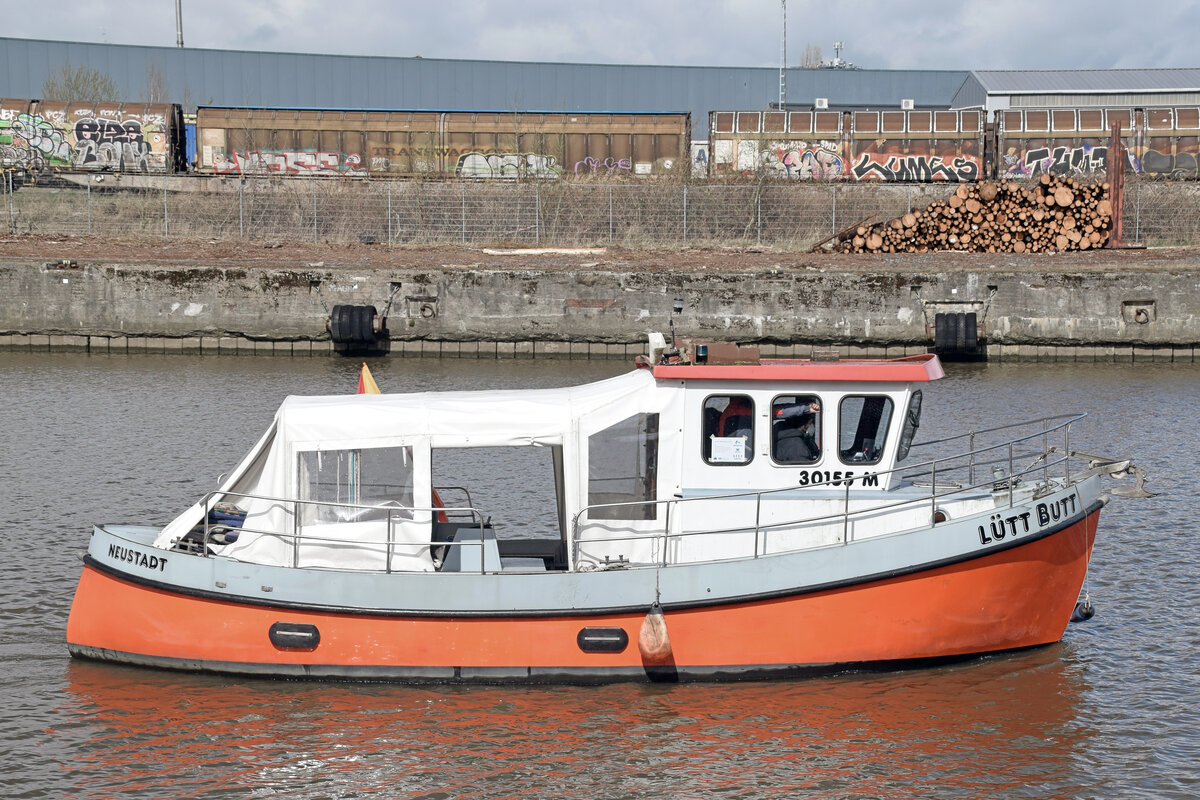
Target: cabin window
(862,432)
(912,421)
(796,429)
(335,481)
(623,468)
(728,429)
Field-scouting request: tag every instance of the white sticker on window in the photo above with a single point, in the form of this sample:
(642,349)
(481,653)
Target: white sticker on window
(729,449)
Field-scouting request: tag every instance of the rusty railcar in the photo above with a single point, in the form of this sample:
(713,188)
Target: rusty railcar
(440,144)
(918,146)
(41,135)
(1167,143)
(795,145)
(909,146)
(1060,141)
(1159,142)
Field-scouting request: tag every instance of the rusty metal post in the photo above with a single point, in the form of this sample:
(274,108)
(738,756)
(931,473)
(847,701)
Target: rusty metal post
(1115,175)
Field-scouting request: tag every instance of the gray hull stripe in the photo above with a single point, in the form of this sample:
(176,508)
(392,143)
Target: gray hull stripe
(594,612)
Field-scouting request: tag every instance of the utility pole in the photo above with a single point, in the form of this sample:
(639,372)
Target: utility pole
(179,23)
(782,58)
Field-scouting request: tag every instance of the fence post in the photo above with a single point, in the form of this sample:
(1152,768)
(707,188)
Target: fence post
(389,213)
(241,208)
(12,218)
(758,215)
(610,213)
(834,231)
(166,215)
(89,205)
(685,213)
(1137,214)
(537,214)
(908,199)
(314,185)
(464,214)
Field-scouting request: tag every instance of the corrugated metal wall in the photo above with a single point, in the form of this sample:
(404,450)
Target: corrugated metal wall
(228,77)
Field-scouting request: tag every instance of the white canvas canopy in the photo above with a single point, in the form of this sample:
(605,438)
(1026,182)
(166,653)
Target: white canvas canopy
(307,429)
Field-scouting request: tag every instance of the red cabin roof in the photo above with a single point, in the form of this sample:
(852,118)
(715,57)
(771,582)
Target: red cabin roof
(910,369)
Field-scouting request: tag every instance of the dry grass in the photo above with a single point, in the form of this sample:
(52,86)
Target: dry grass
(566,214)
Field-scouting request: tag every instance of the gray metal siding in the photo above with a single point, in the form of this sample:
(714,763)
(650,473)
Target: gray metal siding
(227,77)
(1106,100)
(970,95)
(1087,81)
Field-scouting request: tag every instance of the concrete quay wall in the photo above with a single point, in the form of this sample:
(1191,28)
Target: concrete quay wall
(1105,314)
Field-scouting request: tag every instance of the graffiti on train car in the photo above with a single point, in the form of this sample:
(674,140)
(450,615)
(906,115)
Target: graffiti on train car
(102,143)
(1083,159)
(84,138)
(804,161)
(507,166)
(591,165)
(35,142)
(316,163)
(1089,159)
(921,167)
(1165,165)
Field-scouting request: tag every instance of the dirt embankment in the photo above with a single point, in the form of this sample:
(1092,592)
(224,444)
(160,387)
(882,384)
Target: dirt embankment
(90,249)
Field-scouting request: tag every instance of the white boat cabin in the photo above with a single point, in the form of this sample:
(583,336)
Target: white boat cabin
(666,464)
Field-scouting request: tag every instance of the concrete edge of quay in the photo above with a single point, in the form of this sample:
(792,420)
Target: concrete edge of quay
(1049,313)
(572,350)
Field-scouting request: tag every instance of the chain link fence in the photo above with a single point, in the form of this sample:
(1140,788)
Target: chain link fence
(790,216)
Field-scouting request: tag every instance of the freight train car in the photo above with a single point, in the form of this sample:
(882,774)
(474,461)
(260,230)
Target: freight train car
(859,145)
(41,135)
(925,146)
(464,144)
(1159,142)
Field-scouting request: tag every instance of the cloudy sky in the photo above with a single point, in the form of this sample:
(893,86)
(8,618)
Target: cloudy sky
(883,34)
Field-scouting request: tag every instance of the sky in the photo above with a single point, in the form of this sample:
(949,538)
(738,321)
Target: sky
(877,34)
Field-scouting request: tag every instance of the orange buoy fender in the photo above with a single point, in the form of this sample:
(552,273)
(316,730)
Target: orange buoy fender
(654,643)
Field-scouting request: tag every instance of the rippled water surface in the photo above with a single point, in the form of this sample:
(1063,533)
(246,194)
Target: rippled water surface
(1110,712)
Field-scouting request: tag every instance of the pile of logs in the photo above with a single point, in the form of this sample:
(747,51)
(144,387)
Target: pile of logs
(1051,215)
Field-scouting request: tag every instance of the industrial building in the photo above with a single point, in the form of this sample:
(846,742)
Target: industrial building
(195,77)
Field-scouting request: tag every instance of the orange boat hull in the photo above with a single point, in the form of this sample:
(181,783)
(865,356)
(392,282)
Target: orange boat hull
(1012,598)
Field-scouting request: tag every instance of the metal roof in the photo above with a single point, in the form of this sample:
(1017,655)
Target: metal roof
(1088,81)
(194,77)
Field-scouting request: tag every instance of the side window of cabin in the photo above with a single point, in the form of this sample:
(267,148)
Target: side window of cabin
(912,421)
(623,468)
(862,428)
(796,429)
(335,481)
(728,429)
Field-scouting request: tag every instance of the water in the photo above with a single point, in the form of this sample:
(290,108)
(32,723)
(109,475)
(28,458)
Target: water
(1111,712)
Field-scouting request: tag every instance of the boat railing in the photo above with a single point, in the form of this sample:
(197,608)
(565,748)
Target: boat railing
(1006,458)
(394,513)
(1014,461)
(1061,422)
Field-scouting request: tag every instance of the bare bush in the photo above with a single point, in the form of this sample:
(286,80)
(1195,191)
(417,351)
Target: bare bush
(566,214)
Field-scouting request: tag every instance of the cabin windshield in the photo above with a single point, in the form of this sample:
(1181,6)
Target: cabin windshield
(912,421)
(862,428)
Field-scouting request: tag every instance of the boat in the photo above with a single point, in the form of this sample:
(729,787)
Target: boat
(719,515)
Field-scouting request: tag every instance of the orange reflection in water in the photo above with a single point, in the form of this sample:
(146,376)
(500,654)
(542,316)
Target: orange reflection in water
(1001,726)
